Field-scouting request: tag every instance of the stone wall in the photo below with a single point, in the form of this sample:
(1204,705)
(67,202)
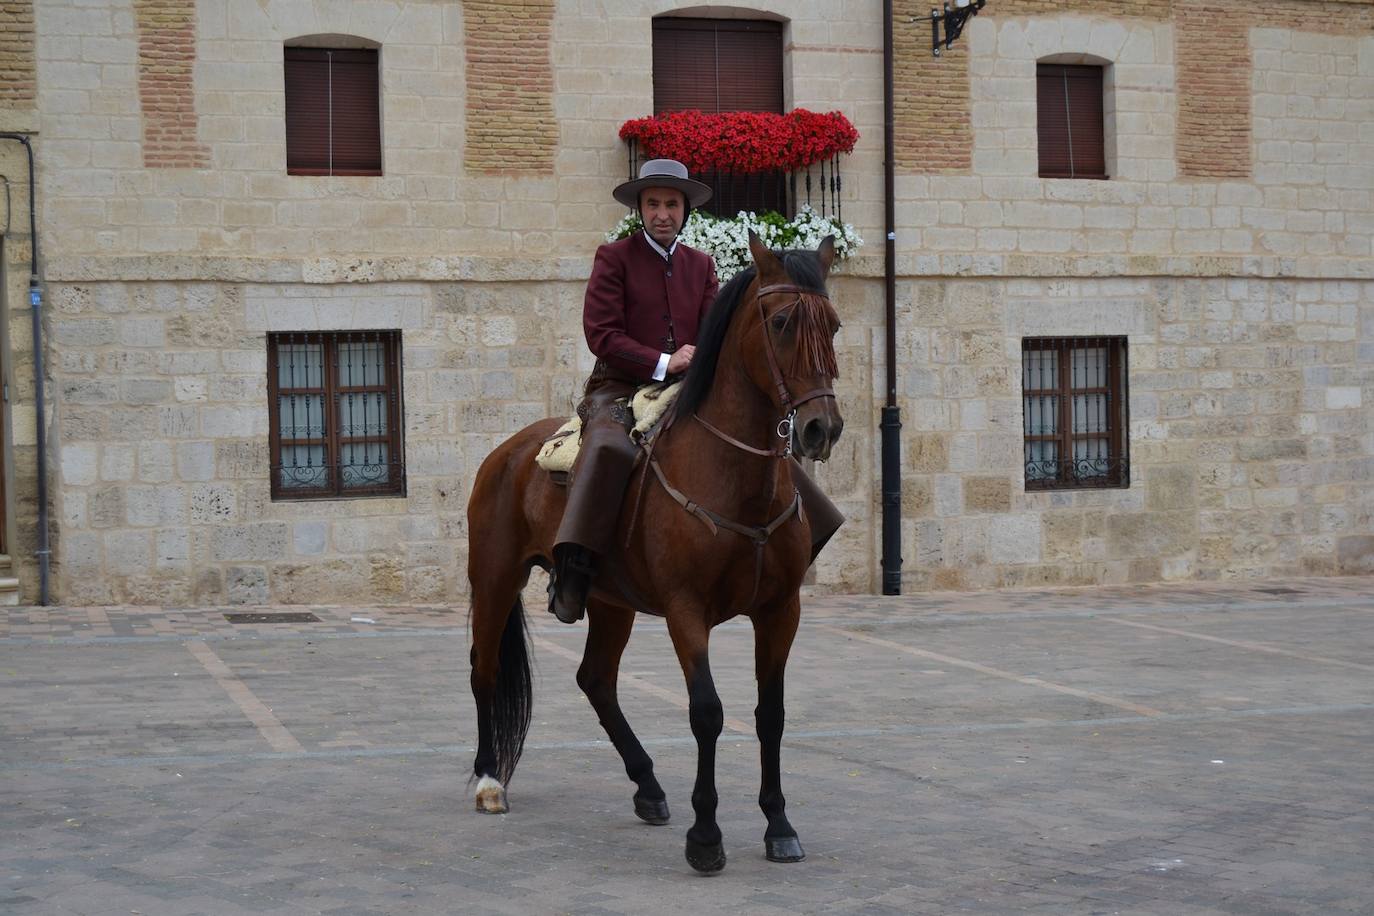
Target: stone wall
(1232,245)
(1251,445)
(1250,440)
(965,123)
(163,484)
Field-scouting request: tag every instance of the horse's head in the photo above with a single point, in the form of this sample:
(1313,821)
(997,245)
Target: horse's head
(789,342)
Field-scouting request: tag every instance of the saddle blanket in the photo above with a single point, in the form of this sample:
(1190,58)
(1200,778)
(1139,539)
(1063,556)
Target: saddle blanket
(648,406)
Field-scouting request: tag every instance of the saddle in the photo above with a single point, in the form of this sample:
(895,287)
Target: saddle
(648,406)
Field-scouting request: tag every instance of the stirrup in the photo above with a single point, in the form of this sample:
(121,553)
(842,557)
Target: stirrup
(570,584)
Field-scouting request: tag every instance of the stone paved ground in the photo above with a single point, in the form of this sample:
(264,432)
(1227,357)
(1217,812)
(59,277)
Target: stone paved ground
(1179,750)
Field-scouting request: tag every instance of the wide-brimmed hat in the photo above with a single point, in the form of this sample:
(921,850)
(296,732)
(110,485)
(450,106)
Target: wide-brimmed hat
(662,173)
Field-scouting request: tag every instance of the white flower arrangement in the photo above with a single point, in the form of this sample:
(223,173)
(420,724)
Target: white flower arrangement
(727,240)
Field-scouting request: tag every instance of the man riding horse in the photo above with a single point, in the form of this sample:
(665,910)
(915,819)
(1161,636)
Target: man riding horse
(646,299)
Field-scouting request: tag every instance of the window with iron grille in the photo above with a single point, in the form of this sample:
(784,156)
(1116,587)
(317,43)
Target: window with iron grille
(715,65)
(1069,121)
(1074,412)
(335,408)
(333,112)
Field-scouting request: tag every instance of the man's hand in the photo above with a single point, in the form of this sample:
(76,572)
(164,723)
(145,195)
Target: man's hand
(679,361)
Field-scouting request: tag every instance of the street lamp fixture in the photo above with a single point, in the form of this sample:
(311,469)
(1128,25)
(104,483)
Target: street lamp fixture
(954,16)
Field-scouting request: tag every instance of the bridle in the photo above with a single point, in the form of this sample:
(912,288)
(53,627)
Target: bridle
(789,404)
(757,534)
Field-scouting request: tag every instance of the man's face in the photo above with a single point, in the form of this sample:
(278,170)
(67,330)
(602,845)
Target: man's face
(663,211)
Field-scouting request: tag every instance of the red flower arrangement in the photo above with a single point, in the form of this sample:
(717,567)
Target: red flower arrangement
(743,142)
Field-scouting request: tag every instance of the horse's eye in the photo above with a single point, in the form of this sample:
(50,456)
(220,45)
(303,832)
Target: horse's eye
(780,322)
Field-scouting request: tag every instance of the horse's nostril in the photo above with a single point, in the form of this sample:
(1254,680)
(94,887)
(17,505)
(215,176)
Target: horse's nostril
(813,435)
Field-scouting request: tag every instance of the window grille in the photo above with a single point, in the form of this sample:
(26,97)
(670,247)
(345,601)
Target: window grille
(1074,412)
(336,414)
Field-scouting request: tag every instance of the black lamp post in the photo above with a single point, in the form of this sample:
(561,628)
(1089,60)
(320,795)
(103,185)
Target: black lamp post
(953,16)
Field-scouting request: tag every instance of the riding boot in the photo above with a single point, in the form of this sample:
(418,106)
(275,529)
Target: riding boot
(825,517)
(574,568)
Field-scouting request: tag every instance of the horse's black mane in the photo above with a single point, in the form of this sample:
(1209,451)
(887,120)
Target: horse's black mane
(804,269)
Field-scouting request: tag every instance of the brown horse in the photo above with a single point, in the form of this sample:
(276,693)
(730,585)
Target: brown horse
(711,529)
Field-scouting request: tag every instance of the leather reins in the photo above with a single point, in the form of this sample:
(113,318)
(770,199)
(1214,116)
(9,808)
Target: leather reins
(758,534)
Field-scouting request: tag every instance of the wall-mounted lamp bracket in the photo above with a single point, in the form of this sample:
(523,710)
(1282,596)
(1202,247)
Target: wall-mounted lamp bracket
(954,18)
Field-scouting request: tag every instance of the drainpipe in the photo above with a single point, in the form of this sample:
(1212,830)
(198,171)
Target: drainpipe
(891,423)
(43,553)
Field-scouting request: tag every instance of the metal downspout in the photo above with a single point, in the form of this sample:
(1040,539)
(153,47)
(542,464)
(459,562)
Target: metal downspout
(891,417)
(44,553)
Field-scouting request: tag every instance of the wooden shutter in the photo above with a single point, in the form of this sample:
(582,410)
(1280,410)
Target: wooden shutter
(333,112)
(1069,121)
(307,111)
(357,113)
(715,65)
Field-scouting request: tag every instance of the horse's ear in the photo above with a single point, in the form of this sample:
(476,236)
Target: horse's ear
(826,252)
(764,259)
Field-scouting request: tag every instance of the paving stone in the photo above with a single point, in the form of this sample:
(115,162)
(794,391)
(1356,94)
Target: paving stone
(1030,751)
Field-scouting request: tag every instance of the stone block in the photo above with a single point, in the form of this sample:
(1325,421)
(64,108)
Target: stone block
(154,462)
(155,506)
(80,554)
(172,549)
(927,453)
(80,464)
(246,584)
(117,462)
(310,538)
(233,422)
(1063,536)
(85,332)
(1355,555)
(141,332)
(1343,398)
(89,391)
(257,541)
(1151,534)
(1015,538)
(987,494)
(1170,487)
(918,498)
(196,460)
(178,422)
(338,580)
(213,504)
(146,391)
(246,458)
(948,495)
(1271,449)
(128,553)
(105,507)
(189,389)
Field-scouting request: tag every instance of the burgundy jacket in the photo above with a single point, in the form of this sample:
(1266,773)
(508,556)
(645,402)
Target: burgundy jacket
(631,295)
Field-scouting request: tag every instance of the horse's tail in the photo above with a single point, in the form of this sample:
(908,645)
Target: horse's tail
(513,698)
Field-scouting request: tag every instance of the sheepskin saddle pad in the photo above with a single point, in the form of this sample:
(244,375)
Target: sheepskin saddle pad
(648,406)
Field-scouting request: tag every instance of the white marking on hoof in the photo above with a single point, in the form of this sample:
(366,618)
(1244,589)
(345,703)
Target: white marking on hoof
(491,796)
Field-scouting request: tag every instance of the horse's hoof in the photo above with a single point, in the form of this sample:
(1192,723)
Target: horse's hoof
(652,810)
(491,796)
(783,849)
(706,859)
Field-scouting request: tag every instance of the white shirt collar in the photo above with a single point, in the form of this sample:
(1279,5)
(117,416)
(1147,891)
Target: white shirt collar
(659,248)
